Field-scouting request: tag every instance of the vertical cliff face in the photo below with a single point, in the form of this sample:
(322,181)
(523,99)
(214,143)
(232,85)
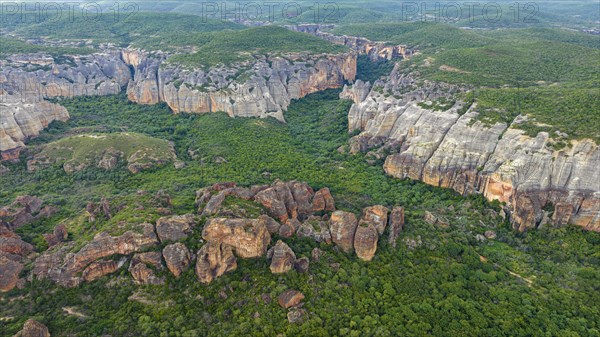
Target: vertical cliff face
(541,186)
(22,118)
(263,87)
(375,50)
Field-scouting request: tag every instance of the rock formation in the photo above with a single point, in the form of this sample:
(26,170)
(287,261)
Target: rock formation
(62,266)
(290,298)
(453,149)
(261,87)
(343,226)
(376,51)
(177,257)
(174,228)
(33,328)
(365,241)
(100,268)
(282,258)
(396,224)
(249,237)
(377,216)
(141,273)
(214,260)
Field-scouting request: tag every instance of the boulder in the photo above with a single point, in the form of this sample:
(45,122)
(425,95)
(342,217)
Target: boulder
(297,315)
(9,273)
(490,235)
(59,235)
(376,215)
(33,328)
(302,194)
(249,237)
(14,245)
(316,254)
(214,260)
(269,198)
(270,223)
(302,265)
(283,259)
(396,224)
(365,241)
(343,226)
(141,273)
(174,228)
(177,257)
(290,298)
(286,230)
(430,218)
(214,204)
(323,201)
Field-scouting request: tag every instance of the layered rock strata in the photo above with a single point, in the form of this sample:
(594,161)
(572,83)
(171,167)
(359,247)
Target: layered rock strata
(261,87)
(453,149)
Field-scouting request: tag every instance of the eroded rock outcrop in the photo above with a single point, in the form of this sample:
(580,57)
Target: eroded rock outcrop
(62,266)
(260,87)
(453,149)
(282,258)
(343,226)
(214,260)
(141,273)
(177,257)
(33,328)
(375,50)
(249,237)
(174,228)
(365,241)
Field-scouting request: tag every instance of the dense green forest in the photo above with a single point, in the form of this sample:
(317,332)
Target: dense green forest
(439,280)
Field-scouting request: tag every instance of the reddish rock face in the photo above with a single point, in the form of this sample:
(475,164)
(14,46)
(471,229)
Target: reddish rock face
(270,200)
(9,273)
(214,260)
(376,215)
(249,237)
(365,241)
(396,224)
(141,273)
(177,257)
(283,259)
(15,246)
(222,186)
(323,201)
(101,268)
(343,226)
(174,228)
(290,298)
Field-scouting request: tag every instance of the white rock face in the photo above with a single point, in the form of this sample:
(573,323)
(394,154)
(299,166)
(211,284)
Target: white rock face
(447,149)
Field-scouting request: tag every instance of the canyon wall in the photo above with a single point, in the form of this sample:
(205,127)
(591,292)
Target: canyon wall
(375,50)
(451,148)
(261,87)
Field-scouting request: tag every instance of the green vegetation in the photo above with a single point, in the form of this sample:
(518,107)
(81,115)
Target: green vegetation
(145,30)
(448,284)
(368,70)
(9,46)
(230,47)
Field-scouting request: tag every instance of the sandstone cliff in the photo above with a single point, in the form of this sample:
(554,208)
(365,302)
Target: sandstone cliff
(452,149)
(375,50)
(261,87)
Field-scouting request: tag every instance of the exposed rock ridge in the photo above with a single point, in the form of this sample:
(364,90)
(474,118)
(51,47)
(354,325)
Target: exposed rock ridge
(262,87)
(375,50)
(541,186)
